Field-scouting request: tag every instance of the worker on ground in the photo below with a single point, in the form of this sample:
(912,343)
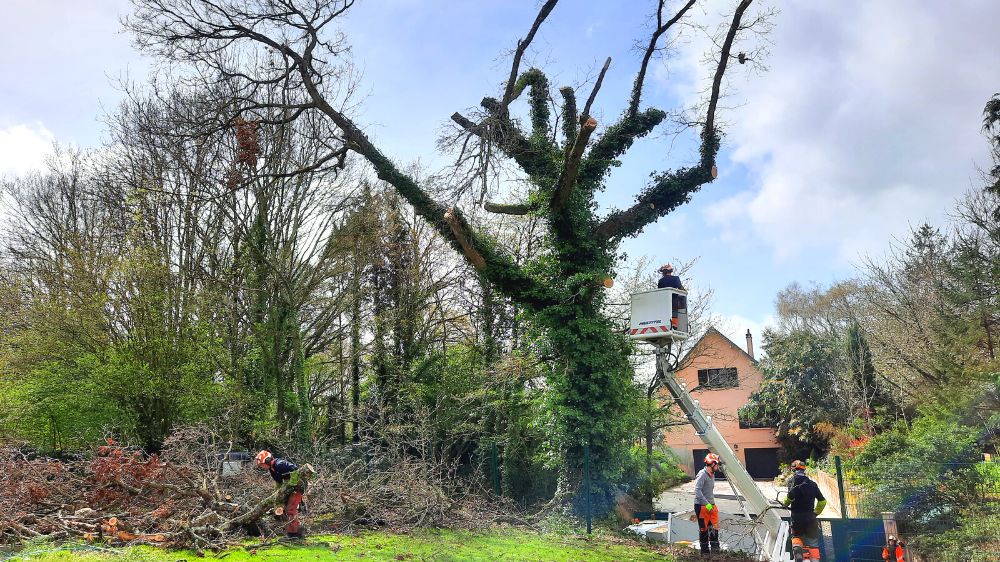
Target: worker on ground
(893,551)
(284,471)
(704,505)
(805,502)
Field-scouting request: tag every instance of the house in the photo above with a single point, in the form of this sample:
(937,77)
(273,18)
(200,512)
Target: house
(721,376)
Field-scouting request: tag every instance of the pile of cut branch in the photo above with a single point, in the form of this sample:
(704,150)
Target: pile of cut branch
(184,498)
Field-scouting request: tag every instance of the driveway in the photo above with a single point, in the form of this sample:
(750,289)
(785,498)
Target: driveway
(681,498)
(735,532)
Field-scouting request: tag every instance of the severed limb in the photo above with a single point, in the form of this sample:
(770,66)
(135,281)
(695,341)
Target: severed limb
(471,253)
(508,208)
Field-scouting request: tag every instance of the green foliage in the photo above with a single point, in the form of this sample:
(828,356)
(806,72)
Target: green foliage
(646,486)
(991,126)
(799,389)
(59,405)
(932,476)
(473,404)
(64,405)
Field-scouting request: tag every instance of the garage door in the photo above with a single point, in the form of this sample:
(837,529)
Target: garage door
(699,463)
(762,463)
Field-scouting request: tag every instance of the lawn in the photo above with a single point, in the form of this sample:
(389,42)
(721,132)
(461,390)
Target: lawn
(439,546)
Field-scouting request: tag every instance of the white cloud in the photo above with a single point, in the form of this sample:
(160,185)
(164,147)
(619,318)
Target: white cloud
(735,328)
(867,122)
(23,148)
(675,223)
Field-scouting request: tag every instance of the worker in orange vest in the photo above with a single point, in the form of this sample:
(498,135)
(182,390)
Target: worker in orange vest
(893,552)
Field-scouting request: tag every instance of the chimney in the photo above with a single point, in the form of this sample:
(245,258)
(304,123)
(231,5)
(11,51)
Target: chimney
(750,345)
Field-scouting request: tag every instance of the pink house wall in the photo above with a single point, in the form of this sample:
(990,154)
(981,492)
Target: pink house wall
(716,351)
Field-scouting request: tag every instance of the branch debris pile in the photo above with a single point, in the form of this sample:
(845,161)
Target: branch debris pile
(182,499)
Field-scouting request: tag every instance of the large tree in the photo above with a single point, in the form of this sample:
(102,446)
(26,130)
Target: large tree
(254,44)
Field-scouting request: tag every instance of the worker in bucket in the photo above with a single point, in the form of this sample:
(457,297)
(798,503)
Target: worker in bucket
(284,471)
(805,501)
(670,281)
(704,505)
(894,550)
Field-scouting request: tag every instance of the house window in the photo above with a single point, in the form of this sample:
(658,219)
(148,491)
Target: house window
(757,424)
(718,378)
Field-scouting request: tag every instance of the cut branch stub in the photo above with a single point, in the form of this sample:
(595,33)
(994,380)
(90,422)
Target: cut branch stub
(466,123)
(508,208)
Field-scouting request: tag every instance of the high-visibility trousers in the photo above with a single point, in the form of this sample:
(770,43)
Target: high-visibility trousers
(292,512)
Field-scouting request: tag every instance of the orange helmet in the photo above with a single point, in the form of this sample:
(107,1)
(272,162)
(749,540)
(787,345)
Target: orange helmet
(263,458)
(712,458)
(798,465)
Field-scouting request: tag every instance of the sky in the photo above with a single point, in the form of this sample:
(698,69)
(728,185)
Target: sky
(865,123)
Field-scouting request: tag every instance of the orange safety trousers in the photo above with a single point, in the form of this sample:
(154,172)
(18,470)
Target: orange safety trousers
(808,552)
(292,512)
(706,517)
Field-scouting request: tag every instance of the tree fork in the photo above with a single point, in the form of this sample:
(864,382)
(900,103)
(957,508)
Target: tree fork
(568,178)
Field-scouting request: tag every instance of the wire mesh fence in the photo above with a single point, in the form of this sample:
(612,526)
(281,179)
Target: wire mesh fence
(951,514)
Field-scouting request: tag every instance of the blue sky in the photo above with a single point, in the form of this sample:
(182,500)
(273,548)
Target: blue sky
(867,121)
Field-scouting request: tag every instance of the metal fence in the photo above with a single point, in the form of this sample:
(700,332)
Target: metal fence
(970,484)
(951,514)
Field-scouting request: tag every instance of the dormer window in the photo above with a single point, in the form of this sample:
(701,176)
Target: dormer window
(718,378)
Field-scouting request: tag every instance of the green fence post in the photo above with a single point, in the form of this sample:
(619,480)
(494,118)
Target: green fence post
(586,482)
(494,470)
(840,487)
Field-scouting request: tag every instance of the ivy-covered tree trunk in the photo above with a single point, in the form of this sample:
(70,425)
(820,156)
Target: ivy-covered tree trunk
(594,397)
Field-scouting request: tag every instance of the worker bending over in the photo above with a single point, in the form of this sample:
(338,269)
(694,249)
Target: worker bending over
(704,505)
(284,471)
(805,502)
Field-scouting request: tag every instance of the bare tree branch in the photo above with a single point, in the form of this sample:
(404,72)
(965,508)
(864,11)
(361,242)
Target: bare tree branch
(672,189)
(522,45)
(661,28)
(593,93)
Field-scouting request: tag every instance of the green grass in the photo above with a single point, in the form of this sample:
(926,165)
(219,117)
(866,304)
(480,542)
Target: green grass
(439,546)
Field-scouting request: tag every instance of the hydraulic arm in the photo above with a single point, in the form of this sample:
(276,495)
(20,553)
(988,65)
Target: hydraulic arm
(773,547)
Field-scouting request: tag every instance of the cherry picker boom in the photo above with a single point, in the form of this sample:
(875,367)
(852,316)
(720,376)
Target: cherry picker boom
(659,317)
